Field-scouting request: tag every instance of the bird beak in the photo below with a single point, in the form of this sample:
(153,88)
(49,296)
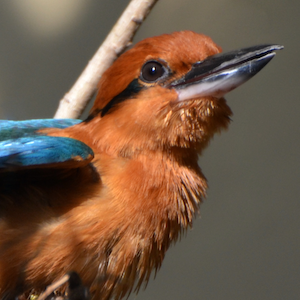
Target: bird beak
(221,73)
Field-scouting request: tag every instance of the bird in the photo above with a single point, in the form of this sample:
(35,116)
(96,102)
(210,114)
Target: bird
(106,197)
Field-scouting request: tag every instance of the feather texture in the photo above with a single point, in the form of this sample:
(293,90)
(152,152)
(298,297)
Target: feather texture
(121,186)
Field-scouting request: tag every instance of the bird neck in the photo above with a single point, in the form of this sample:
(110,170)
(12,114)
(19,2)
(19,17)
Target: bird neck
(158,193)
(163,183)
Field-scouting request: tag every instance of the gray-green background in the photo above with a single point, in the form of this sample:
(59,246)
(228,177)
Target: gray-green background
(246,243)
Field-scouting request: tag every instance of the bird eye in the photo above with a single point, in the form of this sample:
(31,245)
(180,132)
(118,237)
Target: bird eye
(151,71)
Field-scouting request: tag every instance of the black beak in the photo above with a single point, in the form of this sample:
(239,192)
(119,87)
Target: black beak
(221,73)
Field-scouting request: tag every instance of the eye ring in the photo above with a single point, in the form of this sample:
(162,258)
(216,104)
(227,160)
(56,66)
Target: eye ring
(152,71)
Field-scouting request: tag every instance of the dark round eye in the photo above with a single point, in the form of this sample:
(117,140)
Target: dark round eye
(151,71)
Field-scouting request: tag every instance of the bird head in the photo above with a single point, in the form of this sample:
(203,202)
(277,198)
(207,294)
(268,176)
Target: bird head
(168,91)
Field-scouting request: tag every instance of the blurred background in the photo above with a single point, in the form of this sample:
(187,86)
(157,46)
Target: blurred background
(246,243)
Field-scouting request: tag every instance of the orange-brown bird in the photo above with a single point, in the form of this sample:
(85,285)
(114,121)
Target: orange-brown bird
(107,196)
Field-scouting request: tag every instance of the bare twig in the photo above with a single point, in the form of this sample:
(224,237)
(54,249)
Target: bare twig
(120,37)
(51,288)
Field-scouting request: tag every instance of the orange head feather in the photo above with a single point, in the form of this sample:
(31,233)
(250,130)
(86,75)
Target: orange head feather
(152,112)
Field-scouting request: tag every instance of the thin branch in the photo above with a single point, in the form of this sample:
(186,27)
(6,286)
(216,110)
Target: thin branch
(54,286)
(120,37)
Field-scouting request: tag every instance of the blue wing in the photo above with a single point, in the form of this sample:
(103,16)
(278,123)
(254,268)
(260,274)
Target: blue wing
(22,147)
